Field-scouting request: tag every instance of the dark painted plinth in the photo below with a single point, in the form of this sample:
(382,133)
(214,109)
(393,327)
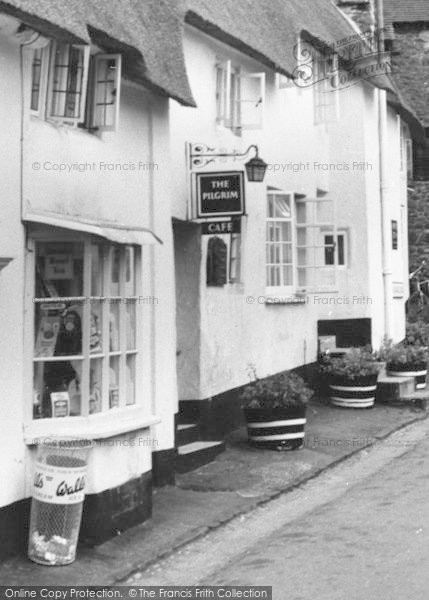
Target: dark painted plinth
(107,514)
(163,471)
(14,524)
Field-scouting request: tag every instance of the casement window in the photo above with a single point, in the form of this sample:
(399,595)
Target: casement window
(409,157)
(314,218)
(300,249)
(235,258)
(105,92)
(87,344)
(224,259)
(326,97)
(240,97)
(39,77)
(335,249)
(68,82)
(70,86)
(279,241)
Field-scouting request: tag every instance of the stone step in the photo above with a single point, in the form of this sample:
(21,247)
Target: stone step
(196,454)
(187,433)
(392,389)
(416,399)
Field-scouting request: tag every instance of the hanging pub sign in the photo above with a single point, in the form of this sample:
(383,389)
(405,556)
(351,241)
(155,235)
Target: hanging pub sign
(219,194)
(219,227)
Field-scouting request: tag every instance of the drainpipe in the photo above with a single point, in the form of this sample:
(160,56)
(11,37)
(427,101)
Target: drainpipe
(384,198)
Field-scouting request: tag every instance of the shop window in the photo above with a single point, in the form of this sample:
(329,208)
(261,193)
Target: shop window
(300,249)
(240,97)
(86,343)
(69,86)
(326,98)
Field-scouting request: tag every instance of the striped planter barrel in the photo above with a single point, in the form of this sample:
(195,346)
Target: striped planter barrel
(419,372)
(353,393)
(276,428)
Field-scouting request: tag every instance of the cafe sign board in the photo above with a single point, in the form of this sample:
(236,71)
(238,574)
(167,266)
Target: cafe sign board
(221,227)
(219,194)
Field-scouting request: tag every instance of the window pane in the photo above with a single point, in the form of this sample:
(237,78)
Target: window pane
(96,270)
(287,253)
(114,326)
(36,78)
(59,269)
(130,308)
(58,329)
(282,207)
(287,275)
(56,389)
(114,271)
(96,327)
(301,212)
(114,382)
(341,255)
(285,231)
(95,385)
(130,379)
(329,249)
(130,286)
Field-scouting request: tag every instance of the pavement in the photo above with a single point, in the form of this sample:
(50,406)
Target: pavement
(239,480)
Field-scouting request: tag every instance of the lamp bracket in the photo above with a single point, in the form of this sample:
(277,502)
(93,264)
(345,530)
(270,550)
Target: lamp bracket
(201,155)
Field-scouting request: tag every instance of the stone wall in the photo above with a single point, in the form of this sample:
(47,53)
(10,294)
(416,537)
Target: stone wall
(418,224)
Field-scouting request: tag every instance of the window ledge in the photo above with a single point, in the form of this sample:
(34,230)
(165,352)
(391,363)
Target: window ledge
(102,426)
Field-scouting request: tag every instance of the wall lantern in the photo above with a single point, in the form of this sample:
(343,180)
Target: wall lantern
(201,155)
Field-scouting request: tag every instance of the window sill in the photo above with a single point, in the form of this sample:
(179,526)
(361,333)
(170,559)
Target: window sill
(101,426)
(291,298)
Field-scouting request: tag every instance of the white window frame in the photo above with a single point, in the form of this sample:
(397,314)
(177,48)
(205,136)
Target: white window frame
(234,262)
(93,123)
(325,97)
(319,229)
(340,233)
(281,288)
(43,83)
(80,118)
(106,412)
(230,99)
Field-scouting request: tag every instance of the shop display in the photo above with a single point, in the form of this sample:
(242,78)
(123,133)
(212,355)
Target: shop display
(60,402)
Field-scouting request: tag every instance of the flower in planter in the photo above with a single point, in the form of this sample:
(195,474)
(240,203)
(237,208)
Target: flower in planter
(357,364)
(285,390)
(404,355)
(417,334)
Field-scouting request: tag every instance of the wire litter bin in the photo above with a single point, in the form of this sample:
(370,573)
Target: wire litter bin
(58,495)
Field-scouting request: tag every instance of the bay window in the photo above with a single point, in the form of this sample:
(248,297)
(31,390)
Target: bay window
(87,327)
(279,240)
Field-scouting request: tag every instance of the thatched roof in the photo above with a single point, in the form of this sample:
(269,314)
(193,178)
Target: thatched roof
(148,32)
(411,11)
(268,30)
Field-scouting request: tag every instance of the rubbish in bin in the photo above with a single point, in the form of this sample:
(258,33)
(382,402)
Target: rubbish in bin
(58,495)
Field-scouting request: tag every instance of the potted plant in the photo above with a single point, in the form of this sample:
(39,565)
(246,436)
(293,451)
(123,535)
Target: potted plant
(275,410)
(408,360)
(352,378)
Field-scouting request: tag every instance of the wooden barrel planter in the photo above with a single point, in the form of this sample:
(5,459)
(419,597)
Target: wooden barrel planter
(276,428)
(353,393)
(418,371)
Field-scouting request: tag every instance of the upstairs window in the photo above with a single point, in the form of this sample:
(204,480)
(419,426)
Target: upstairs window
(67,85)
(326,99)
(70,86)
(240,97)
